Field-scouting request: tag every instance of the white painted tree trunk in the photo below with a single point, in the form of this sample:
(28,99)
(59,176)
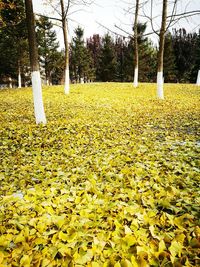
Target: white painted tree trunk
(82,81)
(160,92)
(10,82)
(19,79)
(67,81)
(135,83)
(37,98)
(198,79)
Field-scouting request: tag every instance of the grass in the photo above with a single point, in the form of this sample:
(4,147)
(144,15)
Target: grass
(111,180)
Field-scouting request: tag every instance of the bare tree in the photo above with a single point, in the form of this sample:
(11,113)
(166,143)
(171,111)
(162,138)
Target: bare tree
(62,8)
(136,7)
(65,36)
(136,58)
(35,73)
(160,81)
(167,21)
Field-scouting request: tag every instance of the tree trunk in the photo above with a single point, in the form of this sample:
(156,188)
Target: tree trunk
(19,77)
(35,73)
(65,36)
(160,81)
(10,83)
(136,60)
(198,79)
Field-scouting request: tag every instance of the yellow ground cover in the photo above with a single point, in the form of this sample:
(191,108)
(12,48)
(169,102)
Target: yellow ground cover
(111,180)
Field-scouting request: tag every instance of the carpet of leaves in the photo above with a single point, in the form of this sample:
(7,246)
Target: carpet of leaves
(111,180)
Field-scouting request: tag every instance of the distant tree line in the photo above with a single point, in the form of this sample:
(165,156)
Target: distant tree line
(99,58)
(111,58)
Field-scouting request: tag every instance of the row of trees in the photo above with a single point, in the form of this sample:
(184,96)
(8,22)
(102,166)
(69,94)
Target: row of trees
(106,61)
(107,58)
(113,57)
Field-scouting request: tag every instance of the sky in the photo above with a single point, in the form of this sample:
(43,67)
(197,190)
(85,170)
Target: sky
(114,12)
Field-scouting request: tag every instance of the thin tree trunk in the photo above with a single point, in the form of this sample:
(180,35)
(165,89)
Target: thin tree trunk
(10,83)
(198,79)
(136,60)
(65,36)
(160,81)
(35,73)
(19,77)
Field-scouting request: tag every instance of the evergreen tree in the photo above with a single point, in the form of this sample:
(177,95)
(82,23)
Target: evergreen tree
(94,46)
(13,35)
(196,66)
(147,56)
(81,60)
(128,60)
(184,48)
(119,48)
(169,60)
(58,68)
(48,47)
(108,60)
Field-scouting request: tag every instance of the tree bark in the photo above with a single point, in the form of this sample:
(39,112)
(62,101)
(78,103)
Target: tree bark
(136,59)
(160,92)
(65,36)
(35,73)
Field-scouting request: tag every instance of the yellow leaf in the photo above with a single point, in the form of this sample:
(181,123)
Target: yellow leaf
(134,261)
(130,240)
(143,263)
(95,264)
(25,261)
(19,238)
(59,221)
(162,246)
(180,238)
(126,263)
(64,250)
(127,230)
(1,257)
(63,236)
(175,249)
(3,241)
(40,240)
(83,257)
(152,230)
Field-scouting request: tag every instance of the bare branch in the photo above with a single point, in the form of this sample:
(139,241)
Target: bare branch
(109,30)
(172,15)
(48,17)
(189,13)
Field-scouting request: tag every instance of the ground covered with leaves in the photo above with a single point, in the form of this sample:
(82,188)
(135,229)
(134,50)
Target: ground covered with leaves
(111,180)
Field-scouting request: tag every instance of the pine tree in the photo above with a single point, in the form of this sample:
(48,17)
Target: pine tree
(94,46)
(195,73)
(13,35)
(119,48)
(81,61)
(147,56)
(169,60)
(184,46)
(128,60)
(48,47)
(108,61)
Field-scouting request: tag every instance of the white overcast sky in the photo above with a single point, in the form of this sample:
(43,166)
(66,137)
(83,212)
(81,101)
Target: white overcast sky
(111,12)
